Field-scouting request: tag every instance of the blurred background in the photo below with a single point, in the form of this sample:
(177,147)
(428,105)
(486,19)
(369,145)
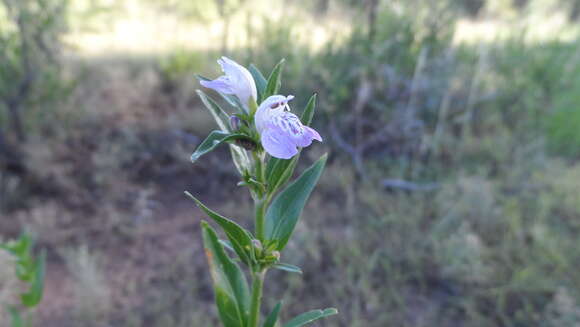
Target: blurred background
(452,195)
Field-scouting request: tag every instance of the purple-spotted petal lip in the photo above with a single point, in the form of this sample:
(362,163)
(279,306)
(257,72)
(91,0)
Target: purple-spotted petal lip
(281,131)
(237,81)
(277,144)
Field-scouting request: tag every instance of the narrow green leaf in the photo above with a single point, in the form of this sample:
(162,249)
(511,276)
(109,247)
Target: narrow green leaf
(214,139)
(228,245)
(239,156)
(240,239)
(230,285)
(260,82)
(273,316)
(36,291)
(220,116)
(310,316)
(308,112)
(274,81)
(288,267)
(16,318)
(285,210)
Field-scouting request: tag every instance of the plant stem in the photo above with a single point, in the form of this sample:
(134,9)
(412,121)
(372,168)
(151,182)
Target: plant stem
(257,286)
(261,201)
(260,218)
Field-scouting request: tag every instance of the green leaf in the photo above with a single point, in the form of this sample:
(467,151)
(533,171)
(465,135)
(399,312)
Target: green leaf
(240,238)
(260,82)
(310,316)
(227,244)
(16,318)
(279,171)
(274,81)
(308,112)
(34,294)
(273,316)
(285,210)
(220,116)
(239,156)
(230,285)
(214,139)
(21,247)
(288,267)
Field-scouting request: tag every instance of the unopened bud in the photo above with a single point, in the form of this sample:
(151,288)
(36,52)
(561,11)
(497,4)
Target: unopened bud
(235,123)
(276,255)
(257,244)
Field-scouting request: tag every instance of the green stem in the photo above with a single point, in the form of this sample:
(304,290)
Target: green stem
(261,201)
(260,218)
(257,286)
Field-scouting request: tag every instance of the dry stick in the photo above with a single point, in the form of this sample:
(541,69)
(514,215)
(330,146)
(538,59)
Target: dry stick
(363,96)
(474,93)
(412,104)
(441,121)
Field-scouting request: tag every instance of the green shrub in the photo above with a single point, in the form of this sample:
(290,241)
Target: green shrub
(30,74)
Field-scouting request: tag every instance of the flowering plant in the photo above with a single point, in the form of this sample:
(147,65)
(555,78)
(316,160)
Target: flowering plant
(265,140)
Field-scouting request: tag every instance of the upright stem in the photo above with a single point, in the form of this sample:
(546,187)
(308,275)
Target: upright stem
(261,201)
(257,286)
(260,218)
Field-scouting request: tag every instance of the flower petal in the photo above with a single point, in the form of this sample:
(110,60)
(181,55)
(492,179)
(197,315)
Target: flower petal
(278,144)
(313,133)
(241,80)
(220,84)
(267,109)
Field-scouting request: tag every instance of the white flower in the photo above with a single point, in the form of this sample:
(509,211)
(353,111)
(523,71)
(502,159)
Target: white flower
(281,131)
(237,81)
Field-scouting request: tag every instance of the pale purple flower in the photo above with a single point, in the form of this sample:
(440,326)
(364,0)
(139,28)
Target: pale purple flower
(281,131)
(237,81)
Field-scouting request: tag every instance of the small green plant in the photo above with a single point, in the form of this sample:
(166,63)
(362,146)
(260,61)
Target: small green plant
(265,142)
(30,271)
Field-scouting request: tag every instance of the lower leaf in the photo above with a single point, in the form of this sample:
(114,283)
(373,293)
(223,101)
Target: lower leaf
(230,285)
(310,316)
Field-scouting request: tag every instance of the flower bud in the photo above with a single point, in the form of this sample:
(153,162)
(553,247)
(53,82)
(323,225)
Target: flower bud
(276,254)
(235,123)
(257,244)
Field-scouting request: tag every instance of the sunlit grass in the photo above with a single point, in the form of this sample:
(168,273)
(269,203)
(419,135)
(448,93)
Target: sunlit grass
(140,28)
(535,28)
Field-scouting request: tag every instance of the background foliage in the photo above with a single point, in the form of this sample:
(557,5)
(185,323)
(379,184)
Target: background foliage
(451,192)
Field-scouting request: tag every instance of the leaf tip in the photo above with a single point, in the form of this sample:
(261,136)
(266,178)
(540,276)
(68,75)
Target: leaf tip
(330,311)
